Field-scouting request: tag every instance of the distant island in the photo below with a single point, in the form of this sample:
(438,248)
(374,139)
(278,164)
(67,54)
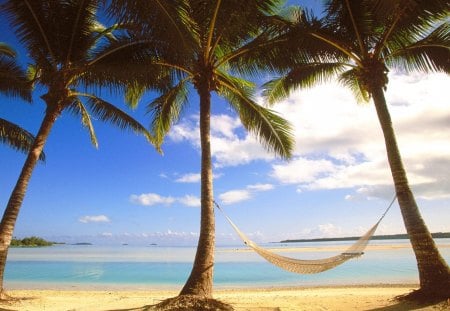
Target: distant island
(82,243)
(32,241)
(437,235)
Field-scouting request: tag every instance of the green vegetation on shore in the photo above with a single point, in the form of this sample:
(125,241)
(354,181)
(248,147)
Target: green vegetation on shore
(32,241)
(437,235)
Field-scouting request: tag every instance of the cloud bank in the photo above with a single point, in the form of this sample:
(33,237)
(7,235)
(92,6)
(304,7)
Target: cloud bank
(339,143)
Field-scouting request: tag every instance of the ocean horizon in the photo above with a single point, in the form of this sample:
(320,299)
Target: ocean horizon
(157,267)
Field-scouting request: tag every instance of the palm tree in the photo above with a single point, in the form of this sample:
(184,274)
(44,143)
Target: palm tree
(357,40)
(14,82)
(200,39)
(72,58)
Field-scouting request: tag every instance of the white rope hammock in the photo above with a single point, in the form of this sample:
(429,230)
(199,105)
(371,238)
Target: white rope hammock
(315,265)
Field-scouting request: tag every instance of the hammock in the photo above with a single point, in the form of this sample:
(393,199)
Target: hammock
(310,266)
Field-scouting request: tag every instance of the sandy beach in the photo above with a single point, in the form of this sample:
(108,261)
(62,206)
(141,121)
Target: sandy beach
(380,297)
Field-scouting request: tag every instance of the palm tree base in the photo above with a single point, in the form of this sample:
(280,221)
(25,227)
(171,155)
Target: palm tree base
(4,297)
(429,296)
(190,302)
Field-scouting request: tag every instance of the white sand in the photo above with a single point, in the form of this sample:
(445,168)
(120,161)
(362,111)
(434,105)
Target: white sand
(294,299)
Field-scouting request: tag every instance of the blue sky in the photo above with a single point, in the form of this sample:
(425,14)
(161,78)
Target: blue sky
(337,184)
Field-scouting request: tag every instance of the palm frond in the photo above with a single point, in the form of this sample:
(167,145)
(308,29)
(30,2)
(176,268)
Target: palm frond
(301,38)
(167,19)
(102,31)
(30,20)
(273,131)
(82,25)
(427,54)
(7,50)
(410,15)
(54,32)
(17,138)
(133,94)
(142,60)
(166,110)
(301,76)
(228,26)
(350,79)
(106,111)
(78,108)
(352,21)
(13,80)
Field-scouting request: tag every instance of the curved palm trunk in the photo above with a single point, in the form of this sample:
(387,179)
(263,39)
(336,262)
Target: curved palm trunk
(434,273)
(9,218)
(200,281)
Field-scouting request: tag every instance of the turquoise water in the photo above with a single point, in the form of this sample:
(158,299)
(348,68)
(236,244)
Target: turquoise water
(168,267)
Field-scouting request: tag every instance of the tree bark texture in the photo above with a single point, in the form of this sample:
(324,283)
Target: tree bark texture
(200,281)
(434,272)
(12,209)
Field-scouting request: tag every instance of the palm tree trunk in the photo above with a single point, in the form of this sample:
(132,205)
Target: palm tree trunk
(9,218)
(200,281)
(434,273)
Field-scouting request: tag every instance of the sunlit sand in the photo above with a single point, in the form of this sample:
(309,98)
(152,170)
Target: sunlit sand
(302,298)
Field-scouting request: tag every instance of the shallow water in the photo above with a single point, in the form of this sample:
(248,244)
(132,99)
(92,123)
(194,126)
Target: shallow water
(67,266)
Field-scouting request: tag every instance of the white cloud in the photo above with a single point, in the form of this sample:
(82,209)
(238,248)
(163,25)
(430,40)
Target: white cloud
(224,126)
(230,144)
(238,151)
(189,178)
(340,144)
(193,178)
(190,200)
(260,187)
(329,230)
(235,196)
(302,170)
(239,195)
(149,199)
(96,218)
(186,130)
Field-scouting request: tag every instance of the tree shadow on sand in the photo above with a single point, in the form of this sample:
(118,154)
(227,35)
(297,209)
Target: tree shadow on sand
(184,303)
(8,302)
(187,308)
(405,304)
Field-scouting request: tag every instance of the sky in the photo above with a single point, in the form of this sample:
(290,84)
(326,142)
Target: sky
(338,182)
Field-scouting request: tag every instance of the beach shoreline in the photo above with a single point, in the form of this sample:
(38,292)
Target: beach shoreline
(348,297)
(287,248)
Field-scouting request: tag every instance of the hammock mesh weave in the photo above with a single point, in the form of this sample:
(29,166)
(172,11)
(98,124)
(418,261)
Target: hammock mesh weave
(314,265)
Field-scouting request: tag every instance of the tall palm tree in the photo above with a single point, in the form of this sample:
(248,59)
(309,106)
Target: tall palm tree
(71,60)
(14,82)
(201,38)
(357,41)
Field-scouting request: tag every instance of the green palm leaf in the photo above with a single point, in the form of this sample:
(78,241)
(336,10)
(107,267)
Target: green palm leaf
(78,108)
(13,80)
(427,54)
(16,137)
(350,79)
(301,76)
(166,110)
(273,131)
(106,111)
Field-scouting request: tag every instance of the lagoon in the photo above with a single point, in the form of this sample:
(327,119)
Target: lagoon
(157,267)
